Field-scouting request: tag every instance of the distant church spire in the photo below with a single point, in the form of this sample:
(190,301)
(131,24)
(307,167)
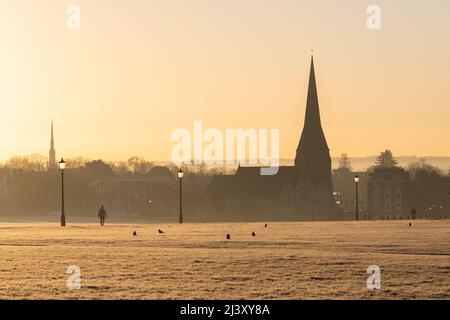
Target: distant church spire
(312,138)
(52,153)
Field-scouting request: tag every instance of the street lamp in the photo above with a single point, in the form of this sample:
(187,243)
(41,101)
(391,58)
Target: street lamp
(62,166)
(357,201)
(180,176)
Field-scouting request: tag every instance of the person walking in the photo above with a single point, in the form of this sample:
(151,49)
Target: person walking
(102,215)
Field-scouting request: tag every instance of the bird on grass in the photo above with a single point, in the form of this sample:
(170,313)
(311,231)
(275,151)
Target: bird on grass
(265,226)
(228,237)
(410,224)
(134,233)
(253,234)
(160,231)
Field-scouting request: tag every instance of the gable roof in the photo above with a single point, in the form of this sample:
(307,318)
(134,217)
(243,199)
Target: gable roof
(248,183)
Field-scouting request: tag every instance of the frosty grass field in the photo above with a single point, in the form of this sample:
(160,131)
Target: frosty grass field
(286,260)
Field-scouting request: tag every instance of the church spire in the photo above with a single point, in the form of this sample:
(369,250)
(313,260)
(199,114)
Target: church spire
(312,116)
(313,161)
(313,138)
(52,153)
(52,140)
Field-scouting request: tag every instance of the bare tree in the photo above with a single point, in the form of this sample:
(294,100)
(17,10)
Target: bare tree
(422,169)
(120,168)
(198,169)
(77,162)
(33,162)
(138,165)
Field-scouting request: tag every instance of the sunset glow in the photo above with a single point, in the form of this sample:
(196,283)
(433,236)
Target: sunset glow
(133,74)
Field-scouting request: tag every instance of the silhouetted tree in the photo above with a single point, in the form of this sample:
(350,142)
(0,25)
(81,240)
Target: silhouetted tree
(422,169)
(386,160)
(344,163)
(96,170)
(138,165)
(77,162)
(198,169)
(34,162)
(120,168)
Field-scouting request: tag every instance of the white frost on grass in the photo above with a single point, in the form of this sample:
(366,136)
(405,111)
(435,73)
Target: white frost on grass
(287,260)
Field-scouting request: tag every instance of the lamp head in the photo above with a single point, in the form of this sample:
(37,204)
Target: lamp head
(180,173)
(62,164)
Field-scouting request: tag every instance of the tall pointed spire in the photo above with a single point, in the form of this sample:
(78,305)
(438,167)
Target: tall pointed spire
(52,140)
(313,161)
(52,153)
(312,138)
(312,116)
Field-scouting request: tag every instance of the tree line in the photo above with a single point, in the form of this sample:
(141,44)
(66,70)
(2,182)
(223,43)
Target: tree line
(417,170)
(135,165)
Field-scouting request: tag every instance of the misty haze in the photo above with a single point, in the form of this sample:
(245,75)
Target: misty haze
(271,150)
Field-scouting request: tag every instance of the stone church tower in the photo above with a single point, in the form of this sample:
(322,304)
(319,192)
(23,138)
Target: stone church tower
(314,192)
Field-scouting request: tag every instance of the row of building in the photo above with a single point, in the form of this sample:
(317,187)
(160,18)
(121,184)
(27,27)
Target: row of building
(308,190)
(391,193)
(384,193)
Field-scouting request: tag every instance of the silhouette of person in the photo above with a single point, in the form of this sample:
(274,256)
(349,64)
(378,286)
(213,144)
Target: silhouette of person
(414,213)
(102,215)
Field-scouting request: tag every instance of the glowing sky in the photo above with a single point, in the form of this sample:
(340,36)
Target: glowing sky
(137,70)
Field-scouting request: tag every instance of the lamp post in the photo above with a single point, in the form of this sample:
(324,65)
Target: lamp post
(180,176)
(357,200)
(62,166)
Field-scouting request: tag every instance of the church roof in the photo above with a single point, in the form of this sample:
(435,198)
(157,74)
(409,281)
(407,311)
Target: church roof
(289,173)
(248,183)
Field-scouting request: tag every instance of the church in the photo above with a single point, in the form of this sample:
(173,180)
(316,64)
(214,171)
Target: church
(300,192)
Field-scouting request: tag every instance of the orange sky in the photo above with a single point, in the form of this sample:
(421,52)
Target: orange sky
(137,70)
